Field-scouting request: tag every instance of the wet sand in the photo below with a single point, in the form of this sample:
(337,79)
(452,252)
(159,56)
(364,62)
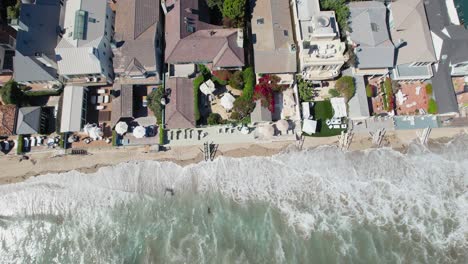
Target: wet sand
(13,170)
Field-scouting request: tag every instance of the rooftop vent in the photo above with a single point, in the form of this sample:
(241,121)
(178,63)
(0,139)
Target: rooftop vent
(375,27)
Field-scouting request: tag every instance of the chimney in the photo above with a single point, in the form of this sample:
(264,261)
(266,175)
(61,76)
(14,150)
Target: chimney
(164,7)
(240,37)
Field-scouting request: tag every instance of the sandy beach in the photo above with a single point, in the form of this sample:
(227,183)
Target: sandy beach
(14,170)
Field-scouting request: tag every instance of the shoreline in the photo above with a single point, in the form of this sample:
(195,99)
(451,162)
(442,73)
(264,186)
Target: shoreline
(47,163)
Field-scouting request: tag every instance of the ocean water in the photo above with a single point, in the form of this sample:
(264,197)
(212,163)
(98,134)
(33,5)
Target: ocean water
(313,206)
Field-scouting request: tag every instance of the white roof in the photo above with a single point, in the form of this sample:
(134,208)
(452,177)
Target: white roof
(309,126)
(305,110)
(78,61)
(80,56)
(71,109)
(339,106)
(227,101)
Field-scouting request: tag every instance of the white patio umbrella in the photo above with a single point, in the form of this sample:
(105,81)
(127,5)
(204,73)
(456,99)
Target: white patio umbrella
(207,87)
(245,130)
(309,126)
(282,125)
(267,131)
(227,101)
(121,128)
(95,133)
(139,132)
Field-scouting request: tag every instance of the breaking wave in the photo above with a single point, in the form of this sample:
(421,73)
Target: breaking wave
(313,206)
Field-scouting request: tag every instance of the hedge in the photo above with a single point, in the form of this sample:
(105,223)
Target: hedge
(115,136)
(429,88)
(43,93)
(19,148)
(62,141)
(249,83)
(432,107)
(196,89)
(369,90)
(162,136)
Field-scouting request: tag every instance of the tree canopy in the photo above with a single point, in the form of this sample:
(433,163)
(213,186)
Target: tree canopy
(234,9)
(11,93)
(345,85)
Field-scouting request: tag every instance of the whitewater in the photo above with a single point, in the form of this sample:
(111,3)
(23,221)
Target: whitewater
(313,206)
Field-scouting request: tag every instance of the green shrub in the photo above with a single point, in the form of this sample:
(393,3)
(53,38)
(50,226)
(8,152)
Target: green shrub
(204,71)
(43,93)
(20,147)
(218,80)
(333,93)
(234,9)
(115,137)
(235,116)
(341,11)
(62,142)
(429,88)
(306,93)
(214,119)
(236,81)
(249,83)
(369,90)
(154,103)
(243,107)
(14,11)
(162,136)
(11,93)
(345,86)
(196,90)
(432,107)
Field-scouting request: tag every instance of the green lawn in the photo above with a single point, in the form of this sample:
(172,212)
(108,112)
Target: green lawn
(322,111)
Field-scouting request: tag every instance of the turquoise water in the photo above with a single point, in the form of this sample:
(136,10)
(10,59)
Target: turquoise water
(462,8)
(314,206)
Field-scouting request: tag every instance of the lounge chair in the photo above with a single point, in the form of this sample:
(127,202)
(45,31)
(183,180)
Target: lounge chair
(106,99)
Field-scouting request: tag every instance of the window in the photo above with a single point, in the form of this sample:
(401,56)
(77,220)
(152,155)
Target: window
(260,21)
(286,33)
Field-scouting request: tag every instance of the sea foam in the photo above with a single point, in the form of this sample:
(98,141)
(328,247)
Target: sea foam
(421,196)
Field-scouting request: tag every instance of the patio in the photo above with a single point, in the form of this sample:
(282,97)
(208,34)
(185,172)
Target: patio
(100,108)
(460,85)
(412,98)
(216,104)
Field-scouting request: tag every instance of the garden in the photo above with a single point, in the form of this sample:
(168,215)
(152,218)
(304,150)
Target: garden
(321,111)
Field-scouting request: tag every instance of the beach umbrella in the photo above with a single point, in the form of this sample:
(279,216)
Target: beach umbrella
(245,130)
(267,131)
(95,133)
(282,125)
(139,132)
(309,126)
(121,128)
(227,101)
(207,87)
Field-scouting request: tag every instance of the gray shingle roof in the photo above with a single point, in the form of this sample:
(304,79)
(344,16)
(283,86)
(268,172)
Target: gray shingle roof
(41,37)
(29,120)
(122,106)
(180,112)
(369,30)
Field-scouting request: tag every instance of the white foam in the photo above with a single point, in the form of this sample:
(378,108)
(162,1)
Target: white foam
(322,190)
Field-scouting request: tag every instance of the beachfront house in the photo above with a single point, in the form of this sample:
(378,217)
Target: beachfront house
(38,31)
(180,110)
(272,35)
(191,40)
(321,52)
(84,54)
(30,120)
(369,36)
(74,109)
(410,33)
(138,42)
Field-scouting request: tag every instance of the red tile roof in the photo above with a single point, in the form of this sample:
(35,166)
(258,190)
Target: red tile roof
(180,112)
(7,120)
